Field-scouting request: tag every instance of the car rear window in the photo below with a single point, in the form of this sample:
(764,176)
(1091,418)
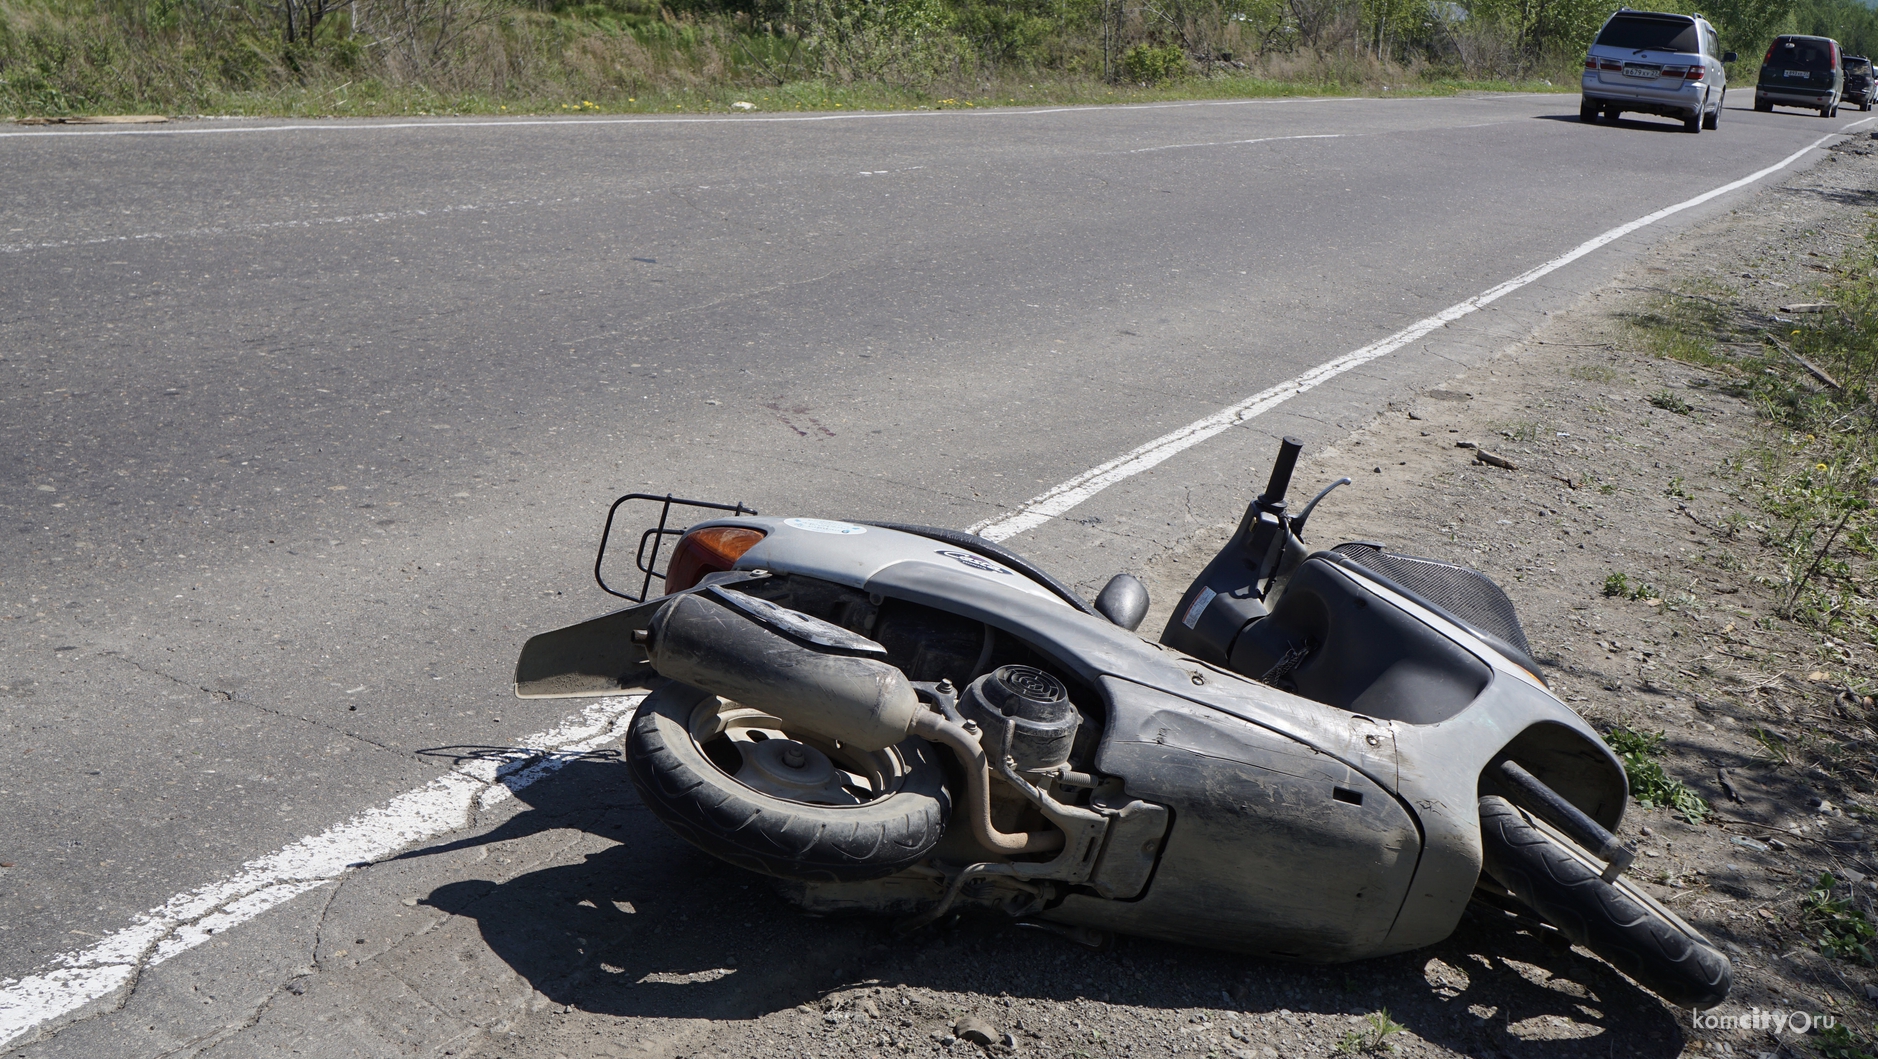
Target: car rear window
(1661,34)
(1815,55)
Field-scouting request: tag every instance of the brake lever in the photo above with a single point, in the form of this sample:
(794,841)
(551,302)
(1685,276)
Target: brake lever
(1297,524)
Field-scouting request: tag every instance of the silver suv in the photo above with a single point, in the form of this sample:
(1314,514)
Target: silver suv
(1656,63)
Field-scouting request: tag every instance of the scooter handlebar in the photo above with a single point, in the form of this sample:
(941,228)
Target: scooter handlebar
(1282,467)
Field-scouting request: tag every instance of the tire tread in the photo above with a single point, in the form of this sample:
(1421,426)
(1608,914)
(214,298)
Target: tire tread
(1658,953)
(771,835)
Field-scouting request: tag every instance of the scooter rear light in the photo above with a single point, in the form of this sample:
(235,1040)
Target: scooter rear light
(711,550)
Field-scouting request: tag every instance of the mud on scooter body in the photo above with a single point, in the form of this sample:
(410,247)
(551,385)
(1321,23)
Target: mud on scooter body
(910,722)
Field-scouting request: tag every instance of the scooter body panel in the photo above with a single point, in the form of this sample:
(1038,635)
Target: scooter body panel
(1276,847)
(847,553)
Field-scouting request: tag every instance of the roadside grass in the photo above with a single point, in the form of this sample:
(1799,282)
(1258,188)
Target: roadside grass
(334,98)
(1812,378)
(63,58)
(1841,929)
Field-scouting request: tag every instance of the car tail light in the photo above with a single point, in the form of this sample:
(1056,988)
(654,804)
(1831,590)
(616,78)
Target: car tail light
(1611,64)
(1769,57)
(711,550)
(1696,73)
(1591,64)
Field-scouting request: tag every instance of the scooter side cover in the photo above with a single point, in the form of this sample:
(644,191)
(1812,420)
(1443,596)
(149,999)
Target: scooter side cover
(1276,848)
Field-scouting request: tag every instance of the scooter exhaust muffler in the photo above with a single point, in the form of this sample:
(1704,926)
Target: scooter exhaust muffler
(724,647)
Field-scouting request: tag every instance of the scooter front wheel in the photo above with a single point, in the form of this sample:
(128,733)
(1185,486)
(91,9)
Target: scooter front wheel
(740,785)
(1631,931)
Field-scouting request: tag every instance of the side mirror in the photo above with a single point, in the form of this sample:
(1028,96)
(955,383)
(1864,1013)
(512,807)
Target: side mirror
(1124,601)
(1729,56)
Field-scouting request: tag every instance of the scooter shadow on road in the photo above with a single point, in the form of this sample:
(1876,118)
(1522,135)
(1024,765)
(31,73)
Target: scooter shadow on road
(646,926)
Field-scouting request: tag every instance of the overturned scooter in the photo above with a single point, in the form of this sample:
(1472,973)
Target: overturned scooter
(1326,757)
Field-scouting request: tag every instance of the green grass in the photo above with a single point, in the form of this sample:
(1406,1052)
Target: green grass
(565,57)
(1841,930)
(1650,786)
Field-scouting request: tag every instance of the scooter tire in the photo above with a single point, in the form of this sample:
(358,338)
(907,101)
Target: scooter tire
(1624,926)
(772,835)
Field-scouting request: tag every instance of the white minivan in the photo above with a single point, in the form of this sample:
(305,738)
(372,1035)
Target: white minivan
(1656,63)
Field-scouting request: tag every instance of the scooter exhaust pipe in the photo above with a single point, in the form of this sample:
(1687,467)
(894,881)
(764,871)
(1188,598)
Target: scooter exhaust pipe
(863,702)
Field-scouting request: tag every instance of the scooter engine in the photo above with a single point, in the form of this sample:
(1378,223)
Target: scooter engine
(1024,712)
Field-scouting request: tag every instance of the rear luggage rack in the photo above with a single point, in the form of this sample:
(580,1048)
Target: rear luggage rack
(648,563)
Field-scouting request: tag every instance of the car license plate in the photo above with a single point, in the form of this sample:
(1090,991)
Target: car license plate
(1648,72)
(1801,74)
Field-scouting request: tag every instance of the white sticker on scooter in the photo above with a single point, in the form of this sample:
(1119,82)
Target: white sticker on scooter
(1198,608)
(822,525)
(976,562)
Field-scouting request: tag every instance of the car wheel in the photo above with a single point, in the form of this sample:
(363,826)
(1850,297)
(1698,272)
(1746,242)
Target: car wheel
(1713,118)
(1693,123)
(1587,111)
(1763,106)
(1611,114)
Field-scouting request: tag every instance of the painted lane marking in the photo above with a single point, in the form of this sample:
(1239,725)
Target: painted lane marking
(1236,141)
(1005,112)
(260,226)
(1046,506)
(73,980)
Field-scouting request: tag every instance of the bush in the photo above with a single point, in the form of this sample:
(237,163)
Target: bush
(1149,65)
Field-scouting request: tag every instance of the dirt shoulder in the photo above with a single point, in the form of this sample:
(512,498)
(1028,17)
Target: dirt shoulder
(1625,463)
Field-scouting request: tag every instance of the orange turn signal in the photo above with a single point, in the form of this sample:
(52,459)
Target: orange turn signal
(710,550)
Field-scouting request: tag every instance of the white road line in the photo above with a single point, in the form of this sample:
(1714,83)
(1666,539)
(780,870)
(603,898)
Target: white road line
(1042,508)
(1236,143)
(73,980)
(728,119)
(262,226)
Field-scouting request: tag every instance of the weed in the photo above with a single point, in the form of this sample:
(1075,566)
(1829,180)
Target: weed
(1844,932)
(1373,1036)
(1650,786)
(1593,373)
(1669,402)
(1838,1041)
(1675,489)
(1525,431)
(1619,586)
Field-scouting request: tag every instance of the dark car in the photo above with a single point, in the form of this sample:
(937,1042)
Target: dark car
(1858,81)
(1801,72)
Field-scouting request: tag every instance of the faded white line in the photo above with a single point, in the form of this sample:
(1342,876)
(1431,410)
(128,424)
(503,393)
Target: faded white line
(1236,143)
(1046,506)
(728,119)
(239,229)
(72,981)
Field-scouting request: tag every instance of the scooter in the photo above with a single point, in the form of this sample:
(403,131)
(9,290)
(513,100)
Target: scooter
(1326,757)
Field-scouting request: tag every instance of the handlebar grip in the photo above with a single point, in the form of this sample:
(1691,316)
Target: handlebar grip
(1281,470)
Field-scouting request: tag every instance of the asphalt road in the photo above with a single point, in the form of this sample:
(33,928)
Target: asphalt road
(309,425)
